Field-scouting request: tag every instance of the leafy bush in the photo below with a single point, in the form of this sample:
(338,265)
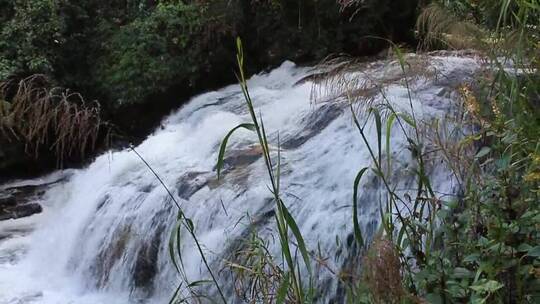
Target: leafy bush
(30,37)
(153,52)
(124,52)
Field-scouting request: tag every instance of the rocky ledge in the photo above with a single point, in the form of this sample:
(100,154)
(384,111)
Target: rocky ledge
(18,200)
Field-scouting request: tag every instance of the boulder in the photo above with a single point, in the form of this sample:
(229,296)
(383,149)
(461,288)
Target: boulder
(19,211)
(19,200)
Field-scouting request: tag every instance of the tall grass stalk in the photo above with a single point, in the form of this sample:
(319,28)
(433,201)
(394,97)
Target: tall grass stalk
(284,220)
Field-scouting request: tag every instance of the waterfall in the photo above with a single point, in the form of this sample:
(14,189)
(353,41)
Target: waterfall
(104,232)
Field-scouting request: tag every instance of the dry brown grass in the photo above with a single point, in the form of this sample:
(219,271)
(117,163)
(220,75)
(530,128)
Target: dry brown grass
(361,82)
(54,118)
(437,27)
(382,273)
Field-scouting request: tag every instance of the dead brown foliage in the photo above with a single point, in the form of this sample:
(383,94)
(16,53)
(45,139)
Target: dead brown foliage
(45,117)
(382,273)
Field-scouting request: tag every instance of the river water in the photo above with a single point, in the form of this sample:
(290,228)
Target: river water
(104,232)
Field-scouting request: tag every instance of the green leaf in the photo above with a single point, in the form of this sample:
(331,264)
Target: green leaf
(172,242)
(503,162)
(176,292)
(486,286)
(400,56)
(299,239)
(283,289)
(189,224)
(409,120)
(401,234)
(534,252)
(240,51)
(463,273)
(434,298)
(357,230)
(475,257)
(524,247)
(483,152)
(248,126)
(199,283)
(378,125)
(389,124)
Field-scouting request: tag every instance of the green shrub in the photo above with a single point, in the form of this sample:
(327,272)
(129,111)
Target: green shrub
(153,52)
(30,37)
(124,52)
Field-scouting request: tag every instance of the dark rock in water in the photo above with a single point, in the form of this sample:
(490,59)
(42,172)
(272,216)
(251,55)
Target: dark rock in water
(243,158)
(22,200)
(18,202)
(190,183)
(20,211)
(238,160)
(314,124)
(146,265)
(7,201)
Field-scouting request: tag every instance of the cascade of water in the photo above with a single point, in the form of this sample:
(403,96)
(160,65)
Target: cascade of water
(103,235)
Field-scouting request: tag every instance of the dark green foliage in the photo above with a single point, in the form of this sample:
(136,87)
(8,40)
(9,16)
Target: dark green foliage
(151,53)
(125,52)
(31,36)
(487,243)
(488,12)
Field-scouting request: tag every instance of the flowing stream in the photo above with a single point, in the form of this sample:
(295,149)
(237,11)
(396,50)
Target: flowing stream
(104,232)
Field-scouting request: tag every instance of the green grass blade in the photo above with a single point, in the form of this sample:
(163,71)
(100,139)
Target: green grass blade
(172,242)
(401,57)
(357,230)
(278,169)
(199,283)
(409,120)
(248,126)
(298,236)
(173,298)
(378,125)
(389,125)
(283,289)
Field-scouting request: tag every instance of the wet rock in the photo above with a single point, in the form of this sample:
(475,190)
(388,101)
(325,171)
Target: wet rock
(146,265)
(190,183)
(22,200)
(314,124)
(16,204)
(106,259)
(241,158)
(234,165)
(19,211)
(7,201)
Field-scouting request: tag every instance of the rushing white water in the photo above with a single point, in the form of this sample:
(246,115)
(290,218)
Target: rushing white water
(103,235)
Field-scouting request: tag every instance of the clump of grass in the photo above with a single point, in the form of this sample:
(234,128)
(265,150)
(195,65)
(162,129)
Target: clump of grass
(345,78)
(257,276)
(382,271)
(438,27)
(44,117)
